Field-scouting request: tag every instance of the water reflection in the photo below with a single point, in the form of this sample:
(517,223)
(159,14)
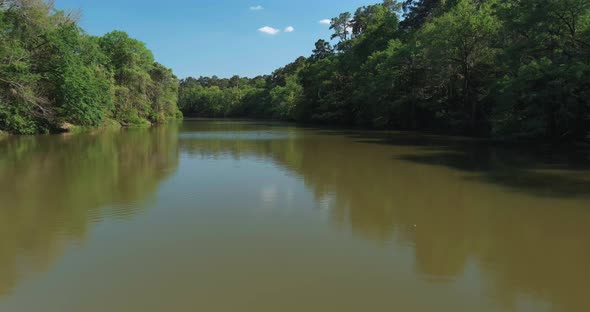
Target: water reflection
(520,216)
(53,187)
(510,226)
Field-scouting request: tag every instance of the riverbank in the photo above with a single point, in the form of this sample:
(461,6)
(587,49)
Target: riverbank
(107,125)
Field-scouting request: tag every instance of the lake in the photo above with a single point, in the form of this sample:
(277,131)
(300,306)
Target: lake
(263,216)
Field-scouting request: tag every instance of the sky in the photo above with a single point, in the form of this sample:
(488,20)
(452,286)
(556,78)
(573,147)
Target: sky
(216,37)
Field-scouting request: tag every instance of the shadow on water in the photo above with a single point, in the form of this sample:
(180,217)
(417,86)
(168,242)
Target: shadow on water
(540,170)
(526,237)
(391,189)
(53,188)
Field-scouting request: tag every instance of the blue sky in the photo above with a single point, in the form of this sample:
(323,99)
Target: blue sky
(216,37)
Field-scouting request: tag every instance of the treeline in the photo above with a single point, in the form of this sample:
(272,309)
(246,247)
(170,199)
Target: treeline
(274,96)
(53,75)
(493,68)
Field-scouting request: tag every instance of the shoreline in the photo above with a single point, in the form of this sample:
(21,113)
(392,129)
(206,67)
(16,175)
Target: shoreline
(431,134)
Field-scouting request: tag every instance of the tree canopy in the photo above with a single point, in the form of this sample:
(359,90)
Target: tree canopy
(53,73)
(505,69)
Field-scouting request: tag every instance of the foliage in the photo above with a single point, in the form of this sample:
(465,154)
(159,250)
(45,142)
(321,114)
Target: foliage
(506,69)
(52,73)
(273,96)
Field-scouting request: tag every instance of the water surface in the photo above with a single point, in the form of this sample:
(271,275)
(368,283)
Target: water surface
(255,216)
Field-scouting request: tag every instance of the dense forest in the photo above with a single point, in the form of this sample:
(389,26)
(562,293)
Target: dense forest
(54,76)
(506,69)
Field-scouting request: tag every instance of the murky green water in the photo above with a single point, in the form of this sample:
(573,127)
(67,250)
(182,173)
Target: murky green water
(251,216)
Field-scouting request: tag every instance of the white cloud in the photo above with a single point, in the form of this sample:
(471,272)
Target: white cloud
(256,8)
(326,21)
(289,29)
(269,30)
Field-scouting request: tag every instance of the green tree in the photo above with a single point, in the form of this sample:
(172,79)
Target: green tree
(460,48)
(322,50)
(163,94)
(494,68)
(286,98)
(52,73)
(544,92)
(341,26)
